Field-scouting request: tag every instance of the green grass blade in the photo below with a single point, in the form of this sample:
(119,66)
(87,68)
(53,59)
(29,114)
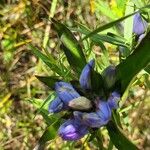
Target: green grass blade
(53,8)
(110,38)
(50,62)
(120,141)
(106,26)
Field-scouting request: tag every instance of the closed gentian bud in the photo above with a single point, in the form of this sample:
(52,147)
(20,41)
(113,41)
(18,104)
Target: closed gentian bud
(139,24)
(66,92)
(80,103)
(113,100)
(85,77)
(109,76)
(92,119)
(72,130)
(104,112)
(56,105)
(95,119)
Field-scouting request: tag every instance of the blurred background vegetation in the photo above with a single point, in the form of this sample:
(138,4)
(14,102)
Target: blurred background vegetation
(27,21)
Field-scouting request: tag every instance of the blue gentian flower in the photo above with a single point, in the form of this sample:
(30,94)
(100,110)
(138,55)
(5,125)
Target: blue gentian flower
(72,129)
(96,119)
(139,25)
(56,105)
(85,77)
(66,92)
(86,113)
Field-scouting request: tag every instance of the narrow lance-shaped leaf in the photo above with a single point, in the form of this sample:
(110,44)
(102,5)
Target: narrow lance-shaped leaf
(49,134)
(71,47)
(107,26)
(118,138)
(137,61)
(110,38)
(48,80)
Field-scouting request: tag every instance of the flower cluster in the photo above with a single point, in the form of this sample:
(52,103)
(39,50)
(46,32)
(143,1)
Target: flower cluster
(86,113)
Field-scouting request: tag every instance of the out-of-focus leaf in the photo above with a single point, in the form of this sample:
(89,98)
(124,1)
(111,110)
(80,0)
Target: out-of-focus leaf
(103,7)
(71,47)
(118,138)
(128,23)
(48,80)
(49,61)
(121,4)
(138,3)
(137,61)
(53,8)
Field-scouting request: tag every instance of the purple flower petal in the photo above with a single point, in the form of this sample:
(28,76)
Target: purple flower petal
(139,24)
(92,119)
(72,130)
(113,100)
(85,77)
(65,92)
(104,111)
(56,105)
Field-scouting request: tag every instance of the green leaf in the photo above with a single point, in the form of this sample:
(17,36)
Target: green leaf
(38,103)
(46,103)
(110,37)
(49,134)
(106,26)
(137,61)
(118,138)
(49,61)
(111,24)
(48,80)
(71,47)
(97,83)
